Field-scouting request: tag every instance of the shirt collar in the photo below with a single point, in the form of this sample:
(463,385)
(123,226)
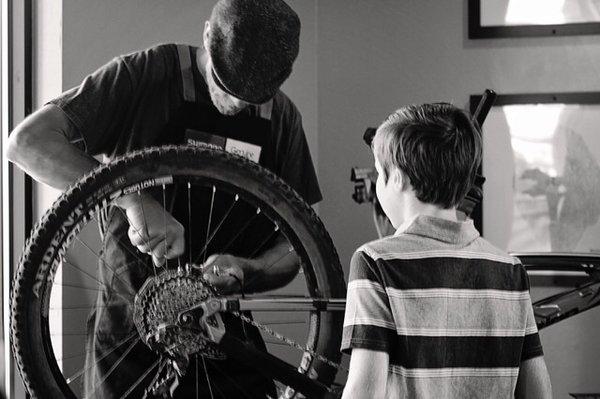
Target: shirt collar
(440,229)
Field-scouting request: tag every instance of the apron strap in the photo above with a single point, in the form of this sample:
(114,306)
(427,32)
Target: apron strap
(187,77)
(265,110)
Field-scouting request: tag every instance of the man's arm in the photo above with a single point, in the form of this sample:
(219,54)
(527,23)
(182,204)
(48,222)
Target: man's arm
(275,268)
(534,380)
(367,377)
(40,146)
(40,141)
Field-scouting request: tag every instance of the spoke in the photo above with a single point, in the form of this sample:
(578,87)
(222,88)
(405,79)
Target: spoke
(232,381)
(71,357)
(165,223)
(212,203)
(145,228)
(139,380)
(207,378)
(82,287)
(126,245)
(262,244)
(106,263)
(217,228)
(95,279)
(240,231)
(189,193)
(250,281)
(215,386)
(114,366)
(84,272)
(117,346)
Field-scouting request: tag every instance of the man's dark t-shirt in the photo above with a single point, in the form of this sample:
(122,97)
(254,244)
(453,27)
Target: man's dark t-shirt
(155,97)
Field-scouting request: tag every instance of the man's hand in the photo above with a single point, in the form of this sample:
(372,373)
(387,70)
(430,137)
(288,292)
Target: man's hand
(272,269)
(227,272)
(152,229)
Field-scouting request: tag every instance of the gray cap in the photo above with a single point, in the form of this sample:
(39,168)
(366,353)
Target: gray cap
(253,44)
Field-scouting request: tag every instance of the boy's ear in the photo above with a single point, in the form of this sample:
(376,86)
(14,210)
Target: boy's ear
(206,35)
(397,180)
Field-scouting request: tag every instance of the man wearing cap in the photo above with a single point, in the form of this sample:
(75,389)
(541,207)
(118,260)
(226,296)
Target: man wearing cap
(177,94)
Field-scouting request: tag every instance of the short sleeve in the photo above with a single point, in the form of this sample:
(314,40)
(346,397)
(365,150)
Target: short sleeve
(368,321)
(98,106)
(532,345)
(297,169)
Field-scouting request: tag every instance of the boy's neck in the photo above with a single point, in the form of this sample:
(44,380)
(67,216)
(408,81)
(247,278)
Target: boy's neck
(413,208)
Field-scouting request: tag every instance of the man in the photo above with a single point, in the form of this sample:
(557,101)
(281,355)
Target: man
(175,94)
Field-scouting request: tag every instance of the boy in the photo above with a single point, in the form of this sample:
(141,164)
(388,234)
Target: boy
(435,311)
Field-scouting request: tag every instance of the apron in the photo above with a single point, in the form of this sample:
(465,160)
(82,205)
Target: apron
(195,122)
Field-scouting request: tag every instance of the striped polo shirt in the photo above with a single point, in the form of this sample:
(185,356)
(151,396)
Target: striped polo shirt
(452,311)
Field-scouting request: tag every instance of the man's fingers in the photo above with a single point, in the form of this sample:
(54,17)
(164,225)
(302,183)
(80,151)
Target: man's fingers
(150,226)
(222,274)
(210,260)
(147,247)
(137,236)
(224,284)
(160,252)
(158,260)
(176,248)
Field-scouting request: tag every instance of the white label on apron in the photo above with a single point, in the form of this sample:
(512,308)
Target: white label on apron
(246,150)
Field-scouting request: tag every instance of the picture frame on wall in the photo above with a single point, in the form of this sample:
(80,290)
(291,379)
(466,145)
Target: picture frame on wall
(541,161)
(523,18)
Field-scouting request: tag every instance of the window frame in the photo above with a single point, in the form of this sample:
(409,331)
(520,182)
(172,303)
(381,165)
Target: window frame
(477,31)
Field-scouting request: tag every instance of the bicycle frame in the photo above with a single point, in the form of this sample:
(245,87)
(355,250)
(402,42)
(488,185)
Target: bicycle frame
(552,309)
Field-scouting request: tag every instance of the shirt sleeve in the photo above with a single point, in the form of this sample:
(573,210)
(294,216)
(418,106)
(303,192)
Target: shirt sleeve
(368,321)
(532,345)
(297,169)
(98,106)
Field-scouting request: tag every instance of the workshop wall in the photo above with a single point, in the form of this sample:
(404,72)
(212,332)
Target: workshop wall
(374,56)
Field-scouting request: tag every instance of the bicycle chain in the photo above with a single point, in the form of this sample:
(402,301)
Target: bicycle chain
(287,341)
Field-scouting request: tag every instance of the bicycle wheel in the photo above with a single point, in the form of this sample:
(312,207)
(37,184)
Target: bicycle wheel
(59,284)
